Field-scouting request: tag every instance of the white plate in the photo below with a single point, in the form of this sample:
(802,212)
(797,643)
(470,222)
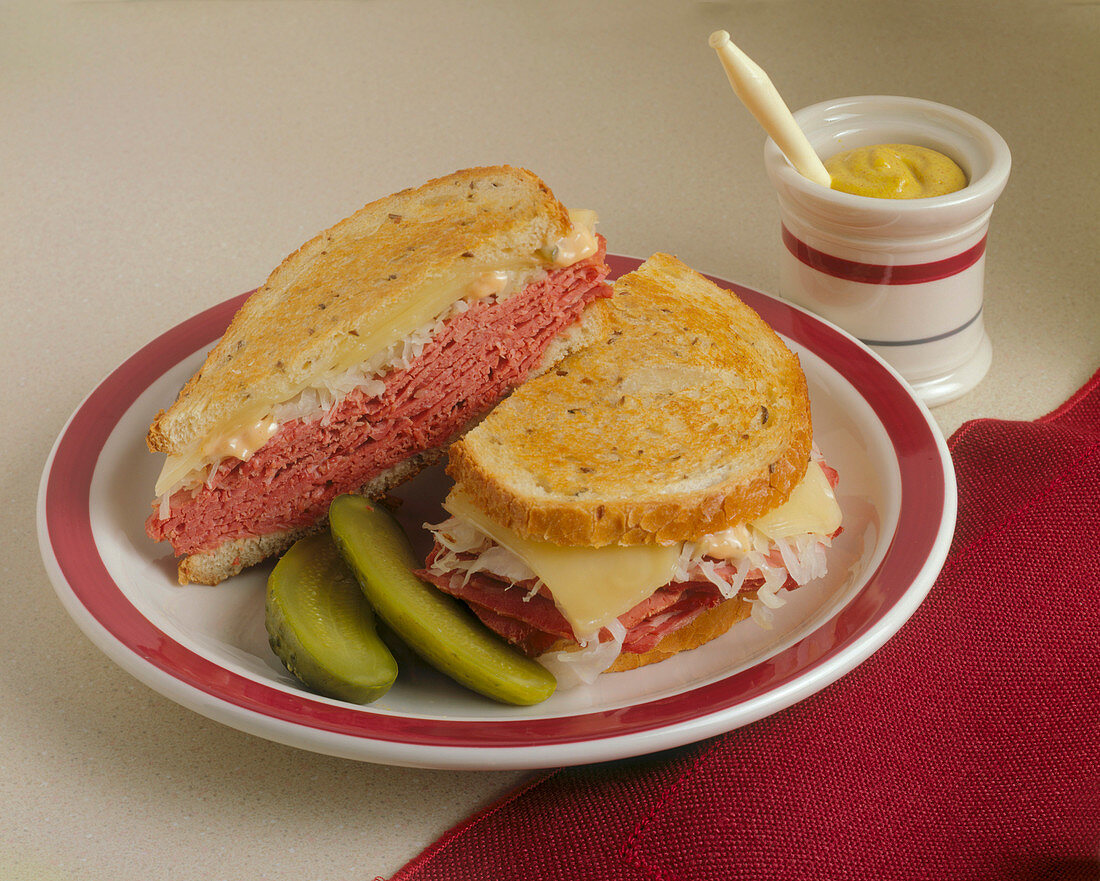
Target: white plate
(206,648)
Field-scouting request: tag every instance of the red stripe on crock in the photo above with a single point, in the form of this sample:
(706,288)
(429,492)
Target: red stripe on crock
(880,273)
(68,518)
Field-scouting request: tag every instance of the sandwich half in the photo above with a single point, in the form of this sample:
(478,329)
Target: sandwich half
(650,491)
(366,352)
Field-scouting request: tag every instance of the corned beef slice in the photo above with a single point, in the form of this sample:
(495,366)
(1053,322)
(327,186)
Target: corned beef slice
(462,373)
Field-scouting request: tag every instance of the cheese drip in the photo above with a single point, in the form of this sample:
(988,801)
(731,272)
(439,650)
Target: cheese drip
(252,428)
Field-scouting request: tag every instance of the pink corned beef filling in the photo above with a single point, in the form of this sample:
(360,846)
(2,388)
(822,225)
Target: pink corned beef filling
(479,357)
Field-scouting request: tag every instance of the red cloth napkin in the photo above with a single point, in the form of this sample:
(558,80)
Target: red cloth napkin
(968,747)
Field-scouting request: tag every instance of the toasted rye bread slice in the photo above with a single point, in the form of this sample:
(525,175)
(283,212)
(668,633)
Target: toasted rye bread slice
(688,417)
(314,307)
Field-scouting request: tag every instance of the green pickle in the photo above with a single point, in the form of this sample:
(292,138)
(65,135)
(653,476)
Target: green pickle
(437,627)
(321,627)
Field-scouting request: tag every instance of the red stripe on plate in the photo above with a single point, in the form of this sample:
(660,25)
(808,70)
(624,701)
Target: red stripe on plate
(880,273)
(69,527)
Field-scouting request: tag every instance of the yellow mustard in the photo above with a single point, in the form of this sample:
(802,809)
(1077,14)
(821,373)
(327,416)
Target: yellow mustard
(895,171)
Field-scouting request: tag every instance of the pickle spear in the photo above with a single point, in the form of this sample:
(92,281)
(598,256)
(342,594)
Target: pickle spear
(436,626)
(321,626)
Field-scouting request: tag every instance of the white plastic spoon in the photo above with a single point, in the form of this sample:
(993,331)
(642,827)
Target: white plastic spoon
(762,99)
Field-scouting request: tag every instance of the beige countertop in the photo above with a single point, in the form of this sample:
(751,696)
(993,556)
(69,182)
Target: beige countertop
(161,157)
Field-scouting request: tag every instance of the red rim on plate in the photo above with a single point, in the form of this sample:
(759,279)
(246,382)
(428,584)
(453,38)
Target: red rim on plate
(68,525)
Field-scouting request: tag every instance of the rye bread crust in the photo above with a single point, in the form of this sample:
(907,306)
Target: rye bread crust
(688,417)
